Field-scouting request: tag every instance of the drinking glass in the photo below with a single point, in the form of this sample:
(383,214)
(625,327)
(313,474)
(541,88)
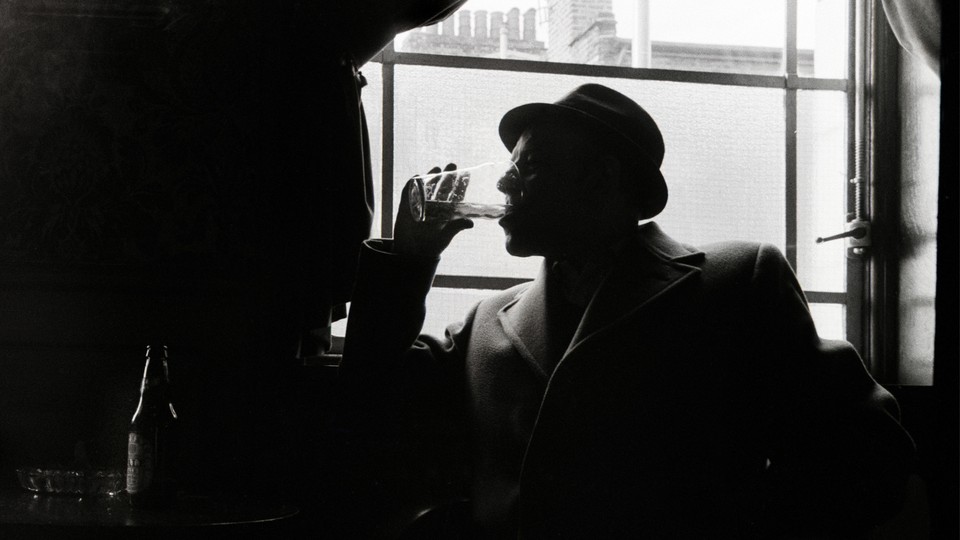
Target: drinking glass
(469,192)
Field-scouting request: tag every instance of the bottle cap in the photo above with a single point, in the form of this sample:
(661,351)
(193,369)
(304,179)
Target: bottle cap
(161,348)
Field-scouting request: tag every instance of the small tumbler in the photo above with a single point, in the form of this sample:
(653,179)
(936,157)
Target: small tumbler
(461,193)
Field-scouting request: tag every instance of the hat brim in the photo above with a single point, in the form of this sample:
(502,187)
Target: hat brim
(653,187)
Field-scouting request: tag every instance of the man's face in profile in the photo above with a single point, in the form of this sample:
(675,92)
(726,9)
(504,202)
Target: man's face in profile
(552,202)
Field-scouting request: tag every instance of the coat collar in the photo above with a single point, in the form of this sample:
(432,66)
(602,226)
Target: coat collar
(648,267)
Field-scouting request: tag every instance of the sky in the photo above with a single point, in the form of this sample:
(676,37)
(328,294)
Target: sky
(724,22)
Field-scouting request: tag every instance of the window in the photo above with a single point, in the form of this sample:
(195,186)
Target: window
(755,100)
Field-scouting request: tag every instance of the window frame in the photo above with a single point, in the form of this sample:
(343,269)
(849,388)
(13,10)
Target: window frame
(857,294)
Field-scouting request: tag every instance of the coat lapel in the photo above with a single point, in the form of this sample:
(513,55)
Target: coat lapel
(650,268)
(523,321)
(654,266)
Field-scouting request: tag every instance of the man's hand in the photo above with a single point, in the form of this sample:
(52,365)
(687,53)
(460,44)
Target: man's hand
(429,238)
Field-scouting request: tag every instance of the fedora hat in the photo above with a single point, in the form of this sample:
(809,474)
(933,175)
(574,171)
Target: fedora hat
(616,116)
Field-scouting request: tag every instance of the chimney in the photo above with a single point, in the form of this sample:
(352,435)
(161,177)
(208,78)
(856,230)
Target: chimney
(606,24)
(480,24)
(496,23)
(530,25)
(448,26)
(513,24)
(569,19)
(640,44)
(503,42)
(464,18)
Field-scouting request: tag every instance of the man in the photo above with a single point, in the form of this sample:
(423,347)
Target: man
(638,387)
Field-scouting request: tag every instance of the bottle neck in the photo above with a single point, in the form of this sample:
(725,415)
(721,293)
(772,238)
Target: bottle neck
(156,374)
(155,388)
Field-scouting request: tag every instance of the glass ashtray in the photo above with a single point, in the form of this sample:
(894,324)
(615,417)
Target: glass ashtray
(72,482)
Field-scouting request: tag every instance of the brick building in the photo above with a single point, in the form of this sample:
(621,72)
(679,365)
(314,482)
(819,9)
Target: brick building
(582,32)
(482,34)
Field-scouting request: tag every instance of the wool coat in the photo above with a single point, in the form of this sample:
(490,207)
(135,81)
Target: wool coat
(694,400)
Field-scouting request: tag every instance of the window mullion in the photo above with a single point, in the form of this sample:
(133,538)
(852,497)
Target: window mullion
(790,47)
(618,72)
(857,304)
(790,134)
(386,189)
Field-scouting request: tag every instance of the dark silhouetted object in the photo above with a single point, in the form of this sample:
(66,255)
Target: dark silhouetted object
(152,435)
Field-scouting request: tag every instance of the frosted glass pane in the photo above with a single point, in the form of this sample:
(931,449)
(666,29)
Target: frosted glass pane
(480,251)
(339,327)
(730,36)
(823,34)
(741,36)
(830,320)
(724,162)
(372,97)
(447,306)
(822,182)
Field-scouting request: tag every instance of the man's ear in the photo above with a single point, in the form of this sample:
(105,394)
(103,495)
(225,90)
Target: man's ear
(620,191)
(611,172)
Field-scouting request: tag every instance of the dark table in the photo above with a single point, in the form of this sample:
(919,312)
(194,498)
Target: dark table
(25,514)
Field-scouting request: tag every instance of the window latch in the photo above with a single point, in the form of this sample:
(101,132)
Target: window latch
(858,224)
(857,233)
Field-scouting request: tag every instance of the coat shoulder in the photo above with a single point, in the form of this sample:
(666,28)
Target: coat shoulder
(498,300)
(736,256)
(741,255)
(743,265)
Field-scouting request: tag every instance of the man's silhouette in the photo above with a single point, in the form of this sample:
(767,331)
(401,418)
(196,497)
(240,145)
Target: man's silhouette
(638,387)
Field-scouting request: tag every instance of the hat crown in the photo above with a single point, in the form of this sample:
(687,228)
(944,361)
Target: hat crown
(621,114)
(615,117)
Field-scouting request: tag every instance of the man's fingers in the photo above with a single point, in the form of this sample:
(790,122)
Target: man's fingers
(452,228)
(432,178)
(457,225)
(446,184)
(460,187)
(411,202)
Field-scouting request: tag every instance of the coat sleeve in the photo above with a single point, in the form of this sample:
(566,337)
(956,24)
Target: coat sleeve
(838,457)
(383,338)
(402,393)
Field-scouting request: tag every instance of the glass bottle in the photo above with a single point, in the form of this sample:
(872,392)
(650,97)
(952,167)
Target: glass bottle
(150,439)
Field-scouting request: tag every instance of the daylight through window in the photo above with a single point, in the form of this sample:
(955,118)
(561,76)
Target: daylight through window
(753,98)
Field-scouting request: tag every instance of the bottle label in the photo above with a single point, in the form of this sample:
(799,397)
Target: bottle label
(140,462)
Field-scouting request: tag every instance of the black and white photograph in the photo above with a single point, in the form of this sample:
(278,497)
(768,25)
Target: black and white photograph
(479,269)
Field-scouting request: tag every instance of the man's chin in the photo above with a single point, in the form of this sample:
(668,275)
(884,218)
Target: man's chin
(517,247)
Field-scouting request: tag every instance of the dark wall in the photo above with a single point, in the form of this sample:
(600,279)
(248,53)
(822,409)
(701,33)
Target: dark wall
(946,377)
(180,172)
